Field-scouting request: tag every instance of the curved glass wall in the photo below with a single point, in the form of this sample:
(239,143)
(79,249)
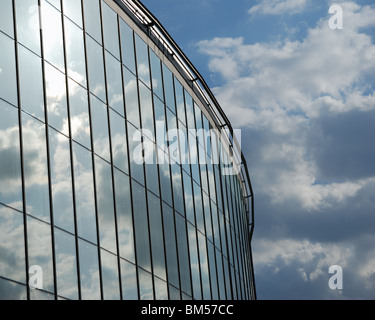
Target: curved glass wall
(108,189)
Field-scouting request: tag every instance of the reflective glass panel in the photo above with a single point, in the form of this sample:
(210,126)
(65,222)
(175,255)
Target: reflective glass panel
(157,239)
(89,271)
(61,181)
(8,84)
(119,142)
(146,111)
(161,291)
(143,66)
(99,120)
(56,99)
(110,30)
(160,125)
(173,138)
(215,226)
(28,28)
(174,293)
(178,196)
(220,275)
(170,246)
(6,17)
(110,276)
(104,196)
(12,291)
(12,245)
(180,102)
(66,265)
(157,80)
(56,4)
(136,154)
(151,167)
(183,254)
(92,19)
(73,10)
(190,118)
(129,281)
(79,114)
(141,227)
(145,285)
(189,200)
(204,267)
(95,67)
(84,193)
(75,52)
(31,83)
(131,98)
(10,159)
(52,35)
(194,262)
(114,83)
(165,182)
(207,216)
(169,89)
(213,275)
(39,249)
(198,207)
(35,168)
(127,46)
(124,216)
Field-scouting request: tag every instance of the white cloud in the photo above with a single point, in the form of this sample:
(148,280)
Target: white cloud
(277,7)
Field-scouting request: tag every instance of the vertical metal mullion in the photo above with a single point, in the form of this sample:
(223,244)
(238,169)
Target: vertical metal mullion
(71,154)
(92,154)
(21,151)
(48,150)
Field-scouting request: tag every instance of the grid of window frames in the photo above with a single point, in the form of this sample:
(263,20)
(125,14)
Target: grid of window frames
(73,199)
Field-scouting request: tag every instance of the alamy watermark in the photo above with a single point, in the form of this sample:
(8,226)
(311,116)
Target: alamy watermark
(36,277)
(336,282)
(177,146)
(337,19)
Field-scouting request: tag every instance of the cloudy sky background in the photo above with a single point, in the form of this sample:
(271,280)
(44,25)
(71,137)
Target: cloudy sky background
(303,95)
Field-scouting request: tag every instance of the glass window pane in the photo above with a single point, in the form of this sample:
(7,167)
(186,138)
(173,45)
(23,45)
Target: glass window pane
(220,275)
(84,193)
(131,98)
(106,214)
(110,30)
(31,83)
(170,246)
(10,159)
(157,80)
(194,262)
(135,154)
(73,10)
(61,181)
(28,28)
(75,52)
(213,274)
(8,84)
(204,267)
(110,276)
(56,4)
(114,84)
(189,200)
(174,293)
(157,240)
(180,102)
(198,207)
(173,138)
(95,68)
(151,166)
(161,291)
(119,142)
(207,216)
(12,291)
(89,271)
(215,226)
(39,249)
(169,89)
(124,216)
(160,124)
(6,17)
(146,111)
(145,285)
(52,35)
(127,46)
(183,254)
(79,114)
(66,265)
(129,281)
(12,245)
(177,189)
(165,182)
(143,65)
(190,118)
(56,99)
(99,119)
(141,227)
(92,19)
(35,168)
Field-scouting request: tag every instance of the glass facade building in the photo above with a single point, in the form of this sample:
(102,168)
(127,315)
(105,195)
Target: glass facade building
(113,160)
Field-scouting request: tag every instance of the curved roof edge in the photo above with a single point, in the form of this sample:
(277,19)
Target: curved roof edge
(151,25)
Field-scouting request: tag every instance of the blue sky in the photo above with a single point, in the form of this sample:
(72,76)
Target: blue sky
(303,95)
